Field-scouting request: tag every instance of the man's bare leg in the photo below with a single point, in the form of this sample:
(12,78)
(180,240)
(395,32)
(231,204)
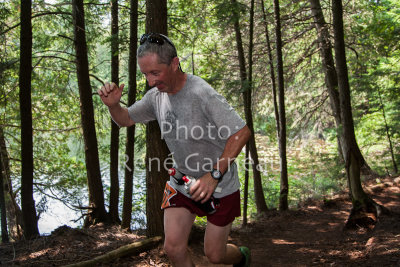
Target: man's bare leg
(177,225)
(216,248)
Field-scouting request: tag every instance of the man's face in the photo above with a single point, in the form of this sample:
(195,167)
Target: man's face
(159,75)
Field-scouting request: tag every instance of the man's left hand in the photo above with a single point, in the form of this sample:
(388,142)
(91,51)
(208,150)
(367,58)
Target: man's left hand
(204,187)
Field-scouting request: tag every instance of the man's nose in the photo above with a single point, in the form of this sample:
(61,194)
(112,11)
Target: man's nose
(151,81)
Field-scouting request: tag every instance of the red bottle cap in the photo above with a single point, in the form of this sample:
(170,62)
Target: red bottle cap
(172,171)
(185,179)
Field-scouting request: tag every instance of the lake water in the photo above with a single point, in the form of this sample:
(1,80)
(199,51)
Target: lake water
(58,214)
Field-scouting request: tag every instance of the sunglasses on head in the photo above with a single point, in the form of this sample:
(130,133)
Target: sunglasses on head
(155,38)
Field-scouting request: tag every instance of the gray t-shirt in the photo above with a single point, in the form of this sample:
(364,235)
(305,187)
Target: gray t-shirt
(195,123)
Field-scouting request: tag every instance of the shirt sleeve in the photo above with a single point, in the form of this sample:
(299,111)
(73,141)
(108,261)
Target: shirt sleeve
(142,110)
(224,117)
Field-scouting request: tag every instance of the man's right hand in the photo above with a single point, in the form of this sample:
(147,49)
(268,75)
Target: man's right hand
(110,94)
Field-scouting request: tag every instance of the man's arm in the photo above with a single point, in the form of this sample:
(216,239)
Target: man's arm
(206,184)
(110,94)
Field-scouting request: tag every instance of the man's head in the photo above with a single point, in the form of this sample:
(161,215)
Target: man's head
(159,44)
(158,61)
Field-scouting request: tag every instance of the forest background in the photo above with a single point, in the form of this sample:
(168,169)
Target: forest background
(205,38)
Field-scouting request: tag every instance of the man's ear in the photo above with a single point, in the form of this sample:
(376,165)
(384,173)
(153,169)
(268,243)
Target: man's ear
(175,63)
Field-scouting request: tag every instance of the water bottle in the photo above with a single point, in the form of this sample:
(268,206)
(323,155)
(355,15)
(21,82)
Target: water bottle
(210,206)
(177,175)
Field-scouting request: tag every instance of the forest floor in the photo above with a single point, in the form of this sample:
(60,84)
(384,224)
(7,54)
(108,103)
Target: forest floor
(312,235)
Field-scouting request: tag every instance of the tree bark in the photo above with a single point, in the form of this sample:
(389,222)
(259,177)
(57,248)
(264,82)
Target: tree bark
(14,213)
(246,185)
(246,89)
(3,179)
(251,46)
(388,135)
(96,197)
(284,187)
(157,150)
(29,217)
(130,131)
(331,79)
(271,68)
(114,142)
(250,77)
(4,230)
(328,65)
(362,203)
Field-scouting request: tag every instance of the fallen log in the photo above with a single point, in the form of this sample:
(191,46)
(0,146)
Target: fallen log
(134,248)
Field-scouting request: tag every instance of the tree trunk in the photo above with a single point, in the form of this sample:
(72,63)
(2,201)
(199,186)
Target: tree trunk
(130,131)
(156,177)
(388,135)
(362,203)
(328,65)
(258,190)
(284,189)
(29,217)
(96,197)
(246,174)
(331,79)
(4,230)
(271,68)
(251,45)
(3,179)
(14,213)
(246,185)
(157,150)
(114,142)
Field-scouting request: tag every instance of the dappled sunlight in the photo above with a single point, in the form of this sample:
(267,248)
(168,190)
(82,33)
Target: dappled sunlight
(354,255)
(309,250)
(341,213)
(334,224)
(334,252)
(315,208)
(35,254)
(102,244)
(283,242)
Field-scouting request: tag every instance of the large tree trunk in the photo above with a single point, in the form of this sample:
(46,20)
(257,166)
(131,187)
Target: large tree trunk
(362,203)
(14,213)
(114,142)
(157,150)
(96,197)
(130,131)
(29,217)
(258,190)
(284,189)
(331,79)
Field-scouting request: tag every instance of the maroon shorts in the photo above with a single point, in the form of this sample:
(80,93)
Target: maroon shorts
(227,210)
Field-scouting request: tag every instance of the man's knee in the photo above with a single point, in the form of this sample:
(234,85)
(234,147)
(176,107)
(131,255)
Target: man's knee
(174,250)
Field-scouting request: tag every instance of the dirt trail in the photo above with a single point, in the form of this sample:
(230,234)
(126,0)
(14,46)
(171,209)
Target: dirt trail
(314,236)
(310,236)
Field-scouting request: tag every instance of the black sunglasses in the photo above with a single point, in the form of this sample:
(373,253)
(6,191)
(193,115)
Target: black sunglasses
(155,38)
